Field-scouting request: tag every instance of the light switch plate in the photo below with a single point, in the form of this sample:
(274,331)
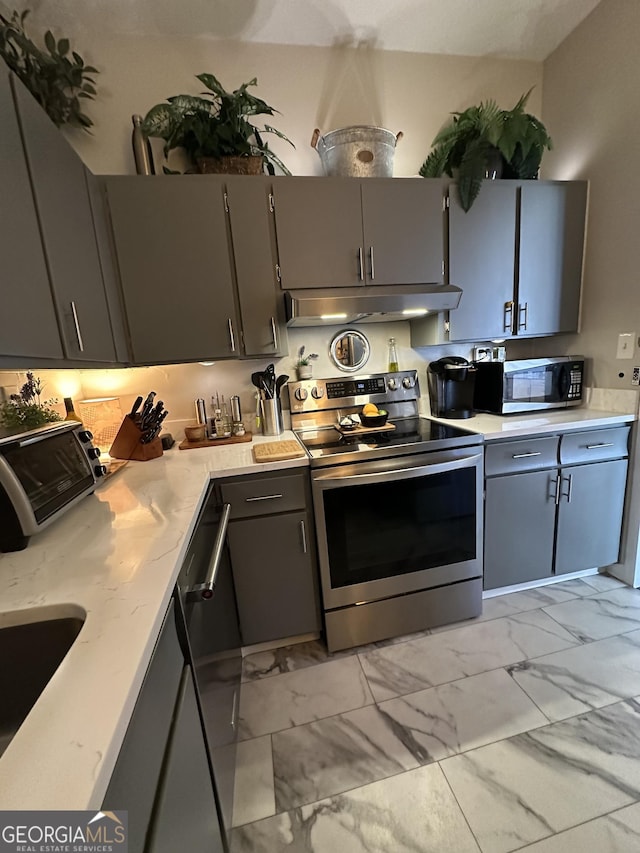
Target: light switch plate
(626,345)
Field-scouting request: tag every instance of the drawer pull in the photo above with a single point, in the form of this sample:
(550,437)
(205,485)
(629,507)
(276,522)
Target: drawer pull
(304,537)
(602,444)
(263,498)
(525,455)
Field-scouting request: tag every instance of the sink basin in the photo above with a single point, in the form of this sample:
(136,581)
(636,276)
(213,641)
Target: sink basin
(29,656)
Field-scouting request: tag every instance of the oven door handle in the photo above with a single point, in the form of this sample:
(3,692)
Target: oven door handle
(401,473)
(206,589)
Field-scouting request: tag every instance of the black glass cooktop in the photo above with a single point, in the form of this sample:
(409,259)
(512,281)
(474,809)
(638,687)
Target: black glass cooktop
(411,435)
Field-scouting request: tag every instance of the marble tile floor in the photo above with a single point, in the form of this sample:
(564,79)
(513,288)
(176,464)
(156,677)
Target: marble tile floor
(516,730)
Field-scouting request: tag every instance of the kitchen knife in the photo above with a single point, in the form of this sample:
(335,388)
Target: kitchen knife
(135,407)
(146,409)
(154,432)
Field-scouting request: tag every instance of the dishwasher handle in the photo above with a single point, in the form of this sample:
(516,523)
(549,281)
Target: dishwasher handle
(206,589)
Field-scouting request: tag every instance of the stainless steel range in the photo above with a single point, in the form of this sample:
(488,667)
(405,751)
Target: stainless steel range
(398,512)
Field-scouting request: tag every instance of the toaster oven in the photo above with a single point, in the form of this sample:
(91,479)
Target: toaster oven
(44,471)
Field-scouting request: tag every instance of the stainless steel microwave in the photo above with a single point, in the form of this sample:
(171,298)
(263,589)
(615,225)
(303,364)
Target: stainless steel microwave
(43,472)
(529,385)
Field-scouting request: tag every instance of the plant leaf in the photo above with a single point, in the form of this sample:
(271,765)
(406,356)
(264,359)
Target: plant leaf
(50,42)
(472,168)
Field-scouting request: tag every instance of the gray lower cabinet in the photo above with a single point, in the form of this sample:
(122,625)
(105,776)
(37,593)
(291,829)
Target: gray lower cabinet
(344,232)
(563,518)
(29,326)
(162,776)
(272,548)
(59,181)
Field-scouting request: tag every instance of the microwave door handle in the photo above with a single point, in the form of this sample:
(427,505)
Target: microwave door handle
(563,381)
(401,473)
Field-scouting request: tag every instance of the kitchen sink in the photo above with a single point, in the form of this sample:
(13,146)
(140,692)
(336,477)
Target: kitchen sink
(29,656)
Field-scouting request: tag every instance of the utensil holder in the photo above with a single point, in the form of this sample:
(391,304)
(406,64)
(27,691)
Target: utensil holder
(271,417)
(127,445)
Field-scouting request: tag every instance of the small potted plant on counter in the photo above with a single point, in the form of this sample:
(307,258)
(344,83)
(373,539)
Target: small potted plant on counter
(214,129)
(304,364)
(24,410)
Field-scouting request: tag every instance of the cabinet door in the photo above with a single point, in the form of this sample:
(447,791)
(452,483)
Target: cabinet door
(319,229)
(264,332)
(403,230)
(481,257)
(29,325)
(66,221)
(274,576)
(519,526)
(552,222)
(173,250)
(185,815)
(590,515)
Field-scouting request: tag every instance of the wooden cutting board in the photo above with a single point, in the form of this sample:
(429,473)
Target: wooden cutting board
(276,451)
(215,442)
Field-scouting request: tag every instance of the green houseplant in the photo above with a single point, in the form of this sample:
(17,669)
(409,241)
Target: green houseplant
(304,364)
(25,409)
(475,138)
(57,76)
(214,126)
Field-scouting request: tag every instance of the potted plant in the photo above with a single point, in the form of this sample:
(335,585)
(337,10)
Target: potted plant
(304,364)
(485,141)
(25,408)
(57,77)
(214,129)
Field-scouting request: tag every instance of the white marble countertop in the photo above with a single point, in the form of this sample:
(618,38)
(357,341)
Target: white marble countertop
(501,427)
(112,559)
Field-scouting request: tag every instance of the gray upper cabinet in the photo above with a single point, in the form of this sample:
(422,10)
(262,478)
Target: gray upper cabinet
(319,228)
(344,232)
(482,246)
(66,223)
(174,255)
(29,326)
(264,331)
(552,225)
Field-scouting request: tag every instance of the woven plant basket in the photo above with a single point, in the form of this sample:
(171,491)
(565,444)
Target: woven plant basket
(230,165)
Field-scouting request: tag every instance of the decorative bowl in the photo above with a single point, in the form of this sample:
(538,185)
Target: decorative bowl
(195,433)
(374,420)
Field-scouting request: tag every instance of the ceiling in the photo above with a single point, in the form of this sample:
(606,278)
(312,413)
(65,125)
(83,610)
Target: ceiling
(519,29)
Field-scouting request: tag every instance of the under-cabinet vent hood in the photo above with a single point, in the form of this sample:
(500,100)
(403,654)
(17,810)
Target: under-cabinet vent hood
(336,305)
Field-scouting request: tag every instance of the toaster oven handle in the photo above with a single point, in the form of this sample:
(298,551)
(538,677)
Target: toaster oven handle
(401,473)
(206,589)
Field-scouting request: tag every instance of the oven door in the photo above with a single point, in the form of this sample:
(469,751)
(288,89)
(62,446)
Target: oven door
(394,526)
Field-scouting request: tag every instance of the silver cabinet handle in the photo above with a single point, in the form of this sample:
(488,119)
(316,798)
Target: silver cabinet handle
(523,309)
(373,269)
(598,446)
(569,479)
(556,494)
(525,455)
(234,711)
(206,589)
(303,533)
(360,265)
(232,339)
(274,333)
(262,498)
(507,324)
(77,325)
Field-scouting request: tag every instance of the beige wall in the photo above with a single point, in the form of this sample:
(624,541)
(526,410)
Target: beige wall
(591,85)
(311,87)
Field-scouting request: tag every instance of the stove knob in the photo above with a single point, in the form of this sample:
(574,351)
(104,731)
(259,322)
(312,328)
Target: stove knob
(85,436)
(408,382)
(392,384)
(301,394)
(100,470)
(317,393)
(93,453)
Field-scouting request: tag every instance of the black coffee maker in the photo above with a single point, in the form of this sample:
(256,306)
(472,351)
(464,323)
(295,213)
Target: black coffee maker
(451,384)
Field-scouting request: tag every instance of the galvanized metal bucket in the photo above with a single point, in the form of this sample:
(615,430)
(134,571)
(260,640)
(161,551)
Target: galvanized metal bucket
(357,152)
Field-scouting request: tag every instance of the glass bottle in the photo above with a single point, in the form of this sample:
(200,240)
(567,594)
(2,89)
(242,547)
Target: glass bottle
(71,414)
(226,418)
(393,356)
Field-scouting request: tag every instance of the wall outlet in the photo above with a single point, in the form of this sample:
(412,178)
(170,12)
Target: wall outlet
(626,345)
(635,376)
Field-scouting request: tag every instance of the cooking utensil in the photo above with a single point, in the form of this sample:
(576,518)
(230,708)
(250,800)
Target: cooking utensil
(256,379)
(280,381)
(270,379)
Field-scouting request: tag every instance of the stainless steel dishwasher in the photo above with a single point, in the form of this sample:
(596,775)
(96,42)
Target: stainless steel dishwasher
(211,634)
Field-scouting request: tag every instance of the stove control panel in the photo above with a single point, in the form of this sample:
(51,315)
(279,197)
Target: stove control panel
(354,387)
(315,395)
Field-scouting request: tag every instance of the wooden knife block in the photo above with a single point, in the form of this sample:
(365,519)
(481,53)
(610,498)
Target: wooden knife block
(127,445)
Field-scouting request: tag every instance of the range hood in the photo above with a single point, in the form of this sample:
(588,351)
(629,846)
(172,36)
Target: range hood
(340,305)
